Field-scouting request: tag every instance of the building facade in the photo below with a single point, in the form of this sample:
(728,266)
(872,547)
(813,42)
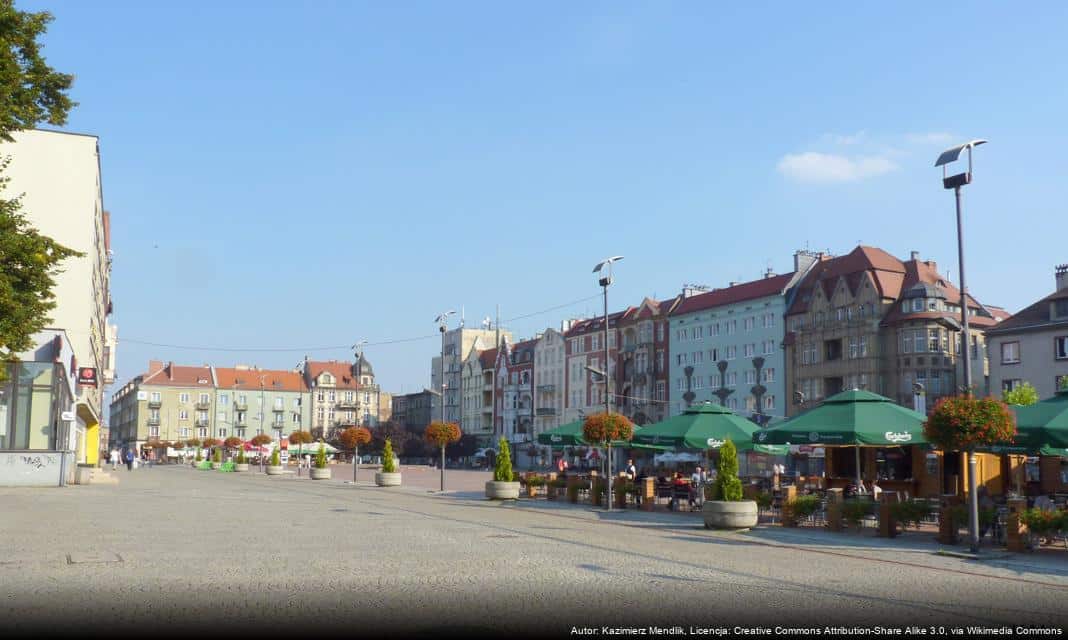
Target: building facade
(166,403)
(585,392)
(477,385)
(250,401)
(726,347)
(458,344)
(871,321)
(644,361)
(412,410)
(335,396)
(550,363)
(1032,346)
(58,177)
(514,392)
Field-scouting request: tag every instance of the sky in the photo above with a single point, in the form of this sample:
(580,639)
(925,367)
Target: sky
(288,178)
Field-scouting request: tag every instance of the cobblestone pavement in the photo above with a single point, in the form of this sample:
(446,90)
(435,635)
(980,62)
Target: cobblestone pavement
(182,549)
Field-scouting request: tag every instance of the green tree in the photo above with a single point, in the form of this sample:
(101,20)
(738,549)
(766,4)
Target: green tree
(1022,394)
(728,487)
(31,92)
(502,470)
(388,466)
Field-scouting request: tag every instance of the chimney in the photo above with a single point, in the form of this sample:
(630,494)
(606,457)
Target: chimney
(154,366)
(932,264)
(1061,274)
(914,256)
(732,283)
(769,273)
(804,259)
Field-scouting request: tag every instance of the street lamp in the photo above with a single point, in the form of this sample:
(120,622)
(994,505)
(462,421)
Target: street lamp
(443,321)
(604,282)
(955,182)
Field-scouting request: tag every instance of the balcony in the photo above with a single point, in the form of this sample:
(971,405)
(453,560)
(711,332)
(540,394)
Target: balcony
(201,422)
(153,422)
(278,424)
(241,422)
(240,406)
(279,409)
(546,388)
(203,406)
(155,404)
(522,411)
(546,411)
(347,404)
(345,422)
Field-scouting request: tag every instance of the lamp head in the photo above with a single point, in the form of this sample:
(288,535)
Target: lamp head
(950,156)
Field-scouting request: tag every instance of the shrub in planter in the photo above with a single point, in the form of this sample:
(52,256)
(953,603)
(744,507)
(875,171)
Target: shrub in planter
(505,483)
(217,456)
(728,509)
(198,458)
(798,509)
(532,483)
(276,458)
(763,499)
(388,476)
(855,510)
(241,459)
(1043,523)
(320,457)
(910,512)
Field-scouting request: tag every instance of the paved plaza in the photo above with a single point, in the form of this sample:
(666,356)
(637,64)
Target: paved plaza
(177,549)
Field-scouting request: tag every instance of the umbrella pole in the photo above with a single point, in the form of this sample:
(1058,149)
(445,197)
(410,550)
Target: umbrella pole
(859,485)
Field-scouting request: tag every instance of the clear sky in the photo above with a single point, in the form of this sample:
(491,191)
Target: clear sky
(308,174)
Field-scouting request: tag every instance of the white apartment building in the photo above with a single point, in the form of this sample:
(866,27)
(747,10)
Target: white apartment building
(459,343)
(58,176)
(550,363)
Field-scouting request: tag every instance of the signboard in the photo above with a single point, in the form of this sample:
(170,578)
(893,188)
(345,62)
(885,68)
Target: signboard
(87,376)
(67,416)
(283,457)
(142,395)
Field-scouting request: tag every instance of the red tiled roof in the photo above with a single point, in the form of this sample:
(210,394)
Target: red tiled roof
(342,372)
(738,293)
(887,271)
(595,324)
(1034,316)
(277,380)
(925,272)
(488,358)
(173,375)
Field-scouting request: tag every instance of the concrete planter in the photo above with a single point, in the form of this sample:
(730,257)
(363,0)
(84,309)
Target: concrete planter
(320,474)
(275,471)
(215,465)
(730,515)
(388,479)
(240,466)
(502,490)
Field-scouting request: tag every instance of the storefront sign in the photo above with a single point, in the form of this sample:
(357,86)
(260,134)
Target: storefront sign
(897,437)
(715,444)
(87,376)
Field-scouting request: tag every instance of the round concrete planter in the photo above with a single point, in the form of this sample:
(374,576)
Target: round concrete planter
(239,466)
(275,471)
(388,479)
(320,474)
(730,515)
(502,490)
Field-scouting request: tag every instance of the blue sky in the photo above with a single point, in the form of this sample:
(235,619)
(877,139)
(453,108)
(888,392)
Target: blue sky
(301,175)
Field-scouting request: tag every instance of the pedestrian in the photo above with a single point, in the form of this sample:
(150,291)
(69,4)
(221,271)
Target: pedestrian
(114,457)
(129,459)
(631,471)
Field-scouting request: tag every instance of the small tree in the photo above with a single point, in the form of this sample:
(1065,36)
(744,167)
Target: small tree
(603,428)
(217,457)
(502,469)
(241,456)
(276,458)
(1023,394)
(728,487)
(387,458)
(442,434)
(320,457)
(352,438)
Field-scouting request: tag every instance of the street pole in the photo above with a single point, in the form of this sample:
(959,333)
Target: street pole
(607,396)
(973,498)
(443,388)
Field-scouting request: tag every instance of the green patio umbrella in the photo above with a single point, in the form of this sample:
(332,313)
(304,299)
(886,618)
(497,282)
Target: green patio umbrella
(1045,423)
(852,418)
(570,435)
(706,426)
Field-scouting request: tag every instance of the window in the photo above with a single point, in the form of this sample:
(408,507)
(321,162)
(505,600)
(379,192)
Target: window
(155,396)
(732,379)
(920,345)
(698,382)
(660,332)
(203,398)
(1060,307)
(769,374)
(332,396)
(715,381)
(224,400)
(732,352)
(1010,352)
(202,432)
(854,349)
(713,355)
(917,304)
(183,415)
(906,342)
(1010,383)
(279,403)
(595,342)
(748,350)
(750,403)
(769,347)
(713,330)
(661,391)
(748,323)
(933,341)
(185,432)
(769,403)
(839,313)
(679,386)
(750,377)
(698,333)
(1060,348)
(698,357)
(222,433)
(183,397)
(732,327)
(153,432)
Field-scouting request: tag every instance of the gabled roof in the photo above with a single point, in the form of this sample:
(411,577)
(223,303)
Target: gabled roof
(595,324)
(273,379)
(923,280)
(887,272)
(488,358)
(1034,317)
(342,372)
(775,285)
(172,375)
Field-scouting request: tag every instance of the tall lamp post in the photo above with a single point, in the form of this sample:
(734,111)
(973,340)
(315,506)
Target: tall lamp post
(606,279)
(358,349)
(955,182)
(443,322)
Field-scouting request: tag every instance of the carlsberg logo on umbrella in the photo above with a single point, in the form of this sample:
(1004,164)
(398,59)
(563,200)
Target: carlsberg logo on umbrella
(814,436)
(762,436)
(715,444)
(897,437)
(555,438)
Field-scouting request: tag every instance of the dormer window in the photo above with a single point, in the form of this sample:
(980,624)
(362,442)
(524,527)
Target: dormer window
(1060,308)
(917,304)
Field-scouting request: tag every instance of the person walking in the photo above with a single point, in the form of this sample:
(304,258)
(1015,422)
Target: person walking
(129,459)
(114,457)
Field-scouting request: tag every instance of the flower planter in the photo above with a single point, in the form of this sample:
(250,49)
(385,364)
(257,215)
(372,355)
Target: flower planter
(502,490)
(275,471)
(240,466)
(730,515)
(388,479)
(320,474)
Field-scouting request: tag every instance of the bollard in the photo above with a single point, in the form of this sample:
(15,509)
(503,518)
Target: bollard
(887,523)
(648,492)
(1017,537)
(834,509)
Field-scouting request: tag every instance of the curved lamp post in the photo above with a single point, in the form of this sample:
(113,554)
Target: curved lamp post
(606,280)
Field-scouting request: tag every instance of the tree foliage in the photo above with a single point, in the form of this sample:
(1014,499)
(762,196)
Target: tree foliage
(353,437)
(395,433)
(31,92)
(1023,394)
(728,486)
(442,434)
(388,466)
(502,468)
(261,439)
(605,427)
(233,442)
(300,437)
(193,442)
(959,423)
